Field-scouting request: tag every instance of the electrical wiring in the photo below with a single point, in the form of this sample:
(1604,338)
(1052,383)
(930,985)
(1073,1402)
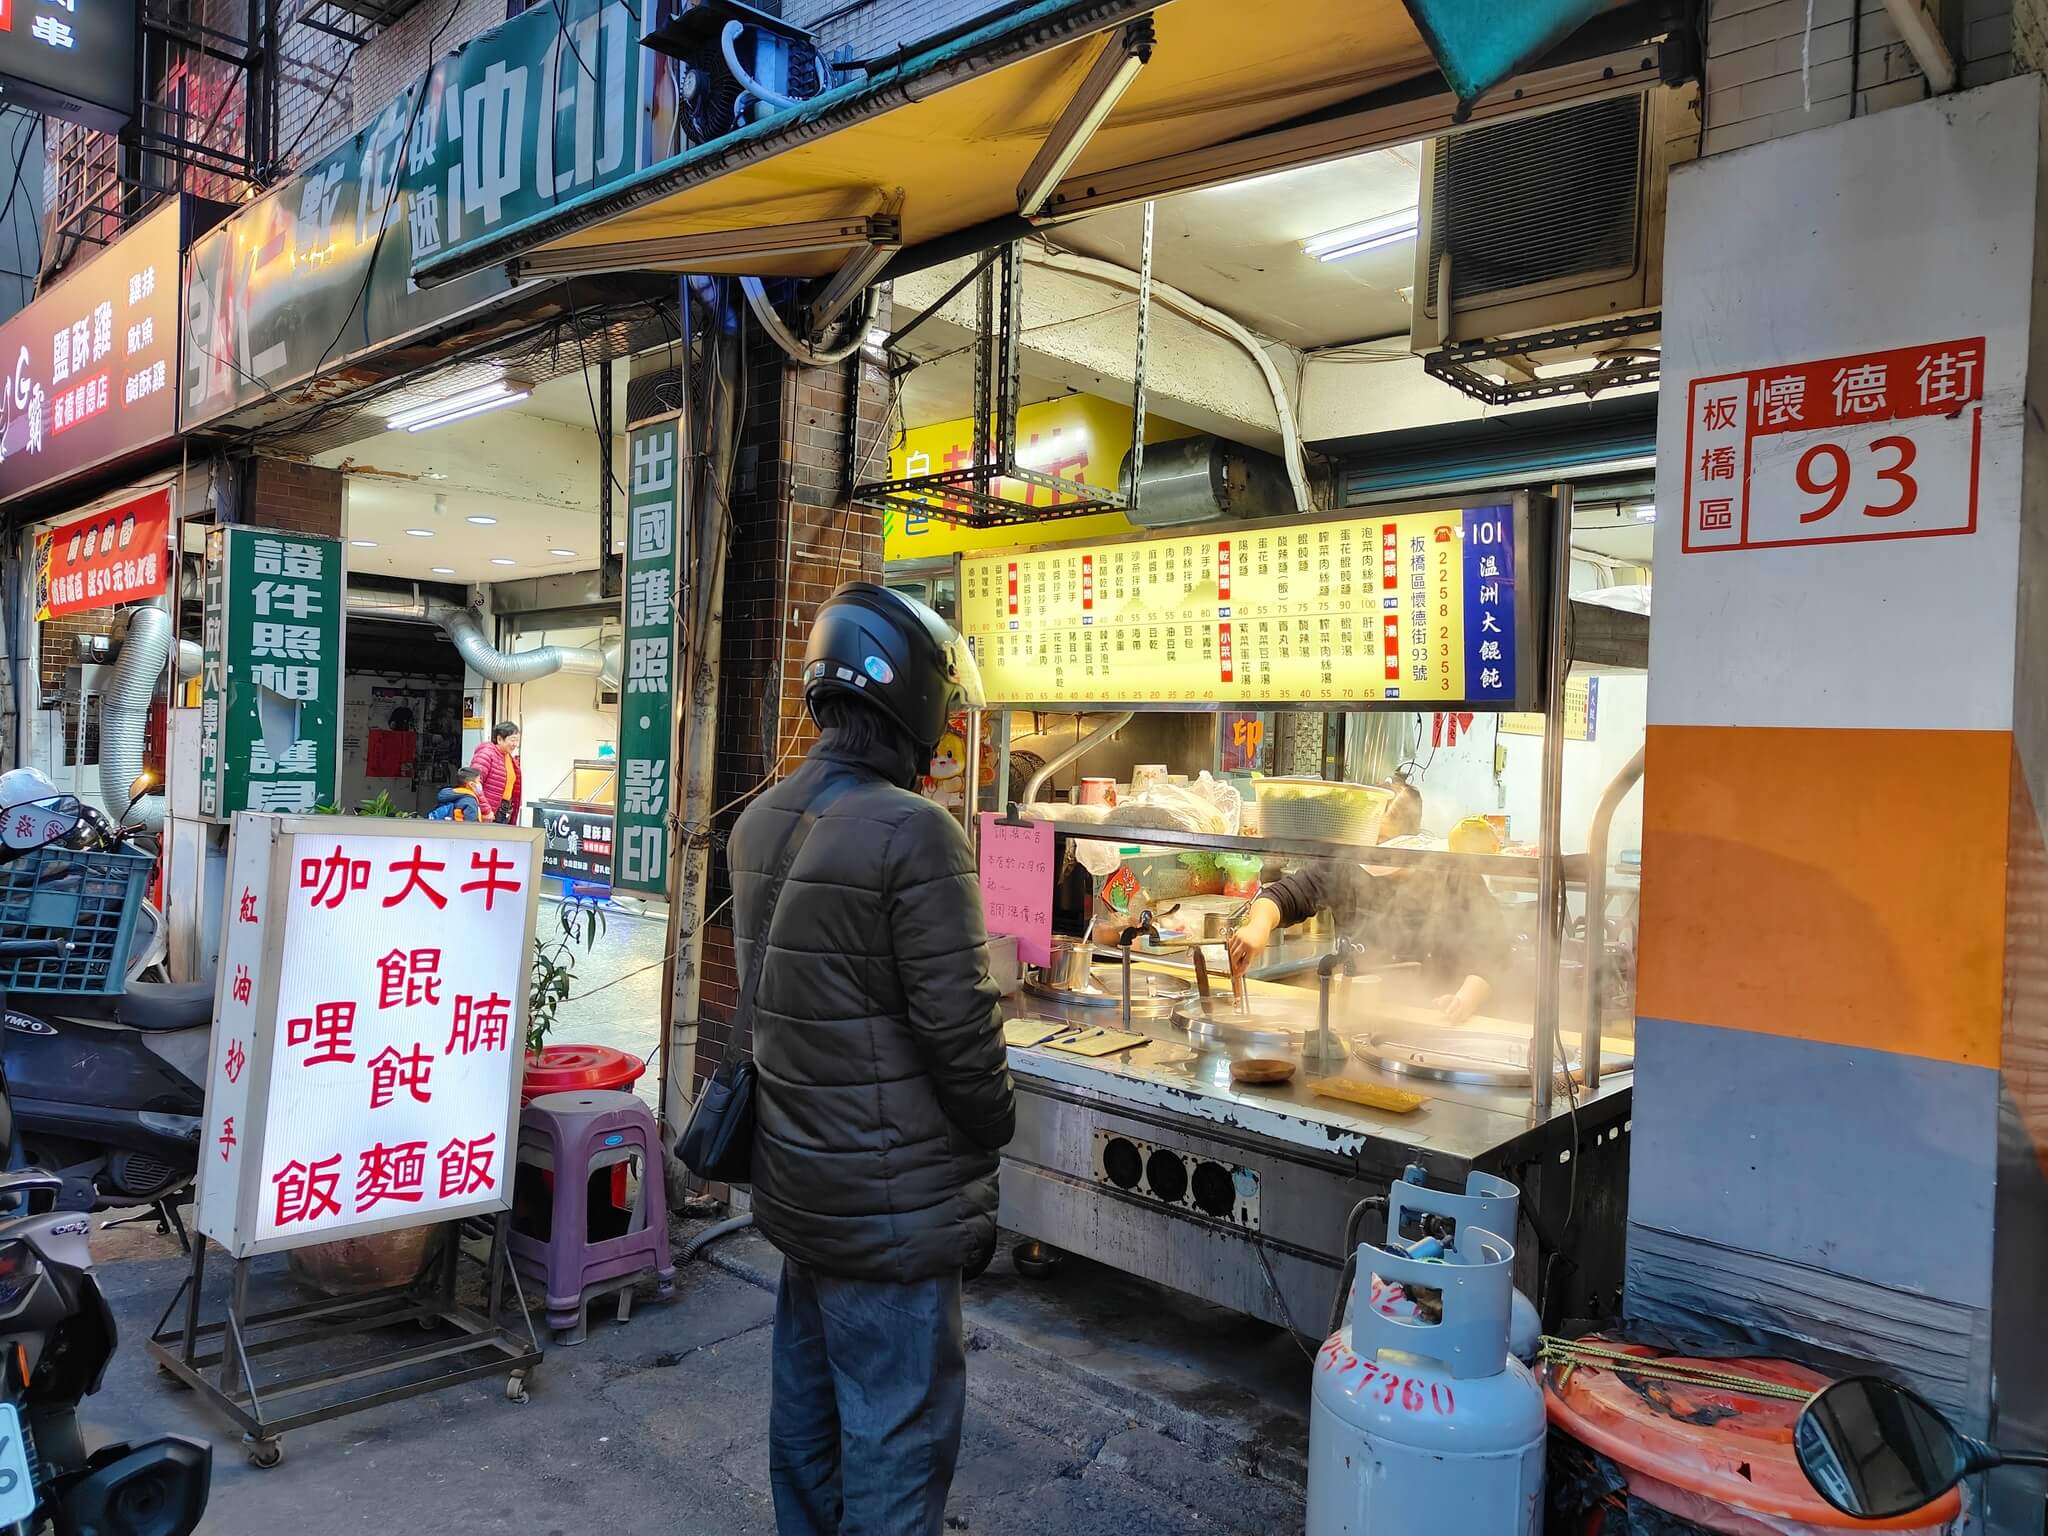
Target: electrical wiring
(391,197)
(603,429)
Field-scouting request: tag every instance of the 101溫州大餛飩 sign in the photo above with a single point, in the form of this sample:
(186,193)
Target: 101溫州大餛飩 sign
(369,1027)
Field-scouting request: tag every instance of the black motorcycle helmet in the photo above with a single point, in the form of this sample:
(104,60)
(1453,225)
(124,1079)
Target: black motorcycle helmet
(894,652)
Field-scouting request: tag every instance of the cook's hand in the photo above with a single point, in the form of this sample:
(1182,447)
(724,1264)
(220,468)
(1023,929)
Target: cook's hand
(1251,937)
(1455,1006)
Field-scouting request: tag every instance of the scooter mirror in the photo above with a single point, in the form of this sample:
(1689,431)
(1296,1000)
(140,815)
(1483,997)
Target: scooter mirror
(143,783)
(1877,1451)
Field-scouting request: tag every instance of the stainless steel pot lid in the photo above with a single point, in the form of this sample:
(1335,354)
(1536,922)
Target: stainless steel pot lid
(1152,996)
(1453,1054)
(1274,1024)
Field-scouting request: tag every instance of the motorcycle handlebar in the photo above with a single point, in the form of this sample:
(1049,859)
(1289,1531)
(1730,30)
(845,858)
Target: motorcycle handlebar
(25,948)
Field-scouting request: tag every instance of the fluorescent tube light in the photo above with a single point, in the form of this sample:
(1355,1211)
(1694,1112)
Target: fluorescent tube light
(1336,244)
(1112,73)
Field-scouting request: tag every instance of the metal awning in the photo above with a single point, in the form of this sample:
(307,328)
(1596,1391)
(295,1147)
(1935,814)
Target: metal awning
(942,138)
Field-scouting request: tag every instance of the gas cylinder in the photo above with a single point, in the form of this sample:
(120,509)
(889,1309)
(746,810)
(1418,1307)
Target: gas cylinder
(1420,1419)
(1492,1204)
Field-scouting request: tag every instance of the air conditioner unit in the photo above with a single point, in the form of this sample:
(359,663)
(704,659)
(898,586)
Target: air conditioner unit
(1549,222)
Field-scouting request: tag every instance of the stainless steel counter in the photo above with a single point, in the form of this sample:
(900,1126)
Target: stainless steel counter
(1297,1162)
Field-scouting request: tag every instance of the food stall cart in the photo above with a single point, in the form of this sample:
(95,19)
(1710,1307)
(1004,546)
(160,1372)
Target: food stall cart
(1137,1144)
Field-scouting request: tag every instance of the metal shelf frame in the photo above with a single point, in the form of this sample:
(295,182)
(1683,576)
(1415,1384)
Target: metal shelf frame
(1616,641)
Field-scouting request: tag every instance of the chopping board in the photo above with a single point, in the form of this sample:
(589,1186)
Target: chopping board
(1076,1039)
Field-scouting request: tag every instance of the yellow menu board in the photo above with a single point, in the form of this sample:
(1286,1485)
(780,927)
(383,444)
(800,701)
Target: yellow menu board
(1411,607)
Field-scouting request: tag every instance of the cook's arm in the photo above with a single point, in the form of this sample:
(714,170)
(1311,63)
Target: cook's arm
(1298,897)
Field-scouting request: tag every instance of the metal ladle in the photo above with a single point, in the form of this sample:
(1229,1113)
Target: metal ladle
(1323,1050)
(1145,927)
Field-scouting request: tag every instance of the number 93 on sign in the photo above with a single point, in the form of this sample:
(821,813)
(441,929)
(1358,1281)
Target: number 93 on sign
(1889,479)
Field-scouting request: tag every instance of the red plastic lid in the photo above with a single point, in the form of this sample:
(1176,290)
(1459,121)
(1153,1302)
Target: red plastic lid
(568,1068)
(1712,1441)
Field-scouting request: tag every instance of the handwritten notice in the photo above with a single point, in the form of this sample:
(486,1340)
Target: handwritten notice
(1016,884)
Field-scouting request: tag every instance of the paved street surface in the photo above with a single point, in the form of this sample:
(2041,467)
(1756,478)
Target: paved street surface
(616,999)
(1094,1406)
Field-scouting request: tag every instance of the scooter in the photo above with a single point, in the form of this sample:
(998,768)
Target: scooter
(1876,1451)
(109,1092)
(57,1335)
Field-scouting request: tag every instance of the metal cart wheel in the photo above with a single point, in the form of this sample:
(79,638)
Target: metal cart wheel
(263,1454)
(515,1388)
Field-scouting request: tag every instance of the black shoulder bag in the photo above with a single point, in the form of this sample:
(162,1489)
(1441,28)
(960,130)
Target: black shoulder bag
(718,1143)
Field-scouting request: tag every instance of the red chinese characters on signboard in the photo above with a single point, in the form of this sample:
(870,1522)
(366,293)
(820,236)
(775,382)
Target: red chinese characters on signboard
(1879,445)
(383,1025)
(120,555)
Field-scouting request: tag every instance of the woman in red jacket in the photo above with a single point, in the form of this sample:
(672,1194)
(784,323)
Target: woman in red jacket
(497,760)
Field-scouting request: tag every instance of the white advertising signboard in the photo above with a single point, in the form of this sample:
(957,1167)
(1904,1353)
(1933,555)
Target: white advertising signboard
(368,1027)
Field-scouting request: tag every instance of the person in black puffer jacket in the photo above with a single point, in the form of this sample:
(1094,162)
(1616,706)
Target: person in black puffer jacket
(882,1093)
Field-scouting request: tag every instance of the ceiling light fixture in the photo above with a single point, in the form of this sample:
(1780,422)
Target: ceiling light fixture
(1369,235)
(712,248)
(480,520)
(566,554)
(501,560)
(474,394)
(421,533)
(363,543)
(1115,68)
(513,397)
(444,570)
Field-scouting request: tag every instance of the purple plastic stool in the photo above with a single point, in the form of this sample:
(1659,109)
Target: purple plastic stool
(571,1238)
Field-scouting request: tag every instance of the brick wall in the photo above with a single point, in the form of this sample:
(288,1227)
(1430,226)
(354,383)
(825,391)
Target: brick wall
(870,27)
(796,540)
(1769,74)
(402,52)
(2028,35)
(300,498)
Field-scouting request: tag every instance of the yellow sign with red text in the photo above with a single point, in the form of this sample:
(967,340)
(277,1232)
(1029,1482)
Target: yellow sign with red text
(1079,437)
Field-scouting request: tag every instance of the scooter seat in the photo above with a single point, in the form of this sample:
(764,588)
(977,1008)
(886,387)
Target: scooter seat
(165,1005)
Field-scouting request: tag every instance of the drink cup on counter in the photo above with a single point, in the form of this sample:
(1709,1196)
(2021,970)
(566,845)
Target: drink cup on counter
(1147,776)
(1098,792)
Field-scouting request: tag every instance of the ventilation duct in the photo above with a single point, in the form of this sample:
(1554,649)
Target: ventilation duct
(485,659)
(124,708)
(466,631)
(1201,479)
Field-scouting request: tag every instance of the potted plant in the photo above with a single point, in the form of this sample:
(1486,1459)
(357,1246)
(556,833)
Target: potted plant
(559,1068)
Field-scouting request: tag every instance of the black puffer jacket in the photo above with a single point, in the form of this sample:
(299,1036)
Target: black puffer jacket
(882,1091)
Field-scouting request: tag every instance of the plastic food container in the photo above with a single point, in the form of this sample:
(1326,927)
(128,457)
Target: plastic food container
(1318,808)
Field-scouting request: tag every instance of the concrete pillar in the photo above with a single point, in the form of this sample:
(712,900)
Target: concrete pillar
(1842,1068)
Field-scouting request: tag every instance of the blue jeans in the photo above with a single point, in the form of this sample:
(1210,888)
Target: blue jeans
(864,1425)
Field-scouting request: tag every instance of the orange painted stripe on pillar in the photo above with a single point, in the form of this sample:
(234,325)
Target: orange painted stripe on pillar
(1846,886)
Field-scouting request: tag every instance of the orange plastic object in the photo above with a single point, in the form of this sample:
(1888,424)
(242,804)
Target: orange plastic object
(1716,1443)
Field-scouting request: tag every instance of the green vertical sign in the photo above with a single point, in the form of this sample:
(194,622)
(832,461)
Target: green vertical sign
(640,841)
(270,712)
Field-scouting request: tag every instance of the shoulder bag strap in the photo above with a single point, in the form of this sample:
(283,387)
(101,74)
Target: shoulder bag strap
(743,1016)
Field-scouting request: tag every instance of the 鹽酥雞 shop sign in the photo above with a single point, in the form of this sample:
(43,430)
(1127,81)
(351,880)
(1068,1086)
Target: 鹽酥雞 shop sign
(88,371)
(370,1020)
(116,555)
(1877,445)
